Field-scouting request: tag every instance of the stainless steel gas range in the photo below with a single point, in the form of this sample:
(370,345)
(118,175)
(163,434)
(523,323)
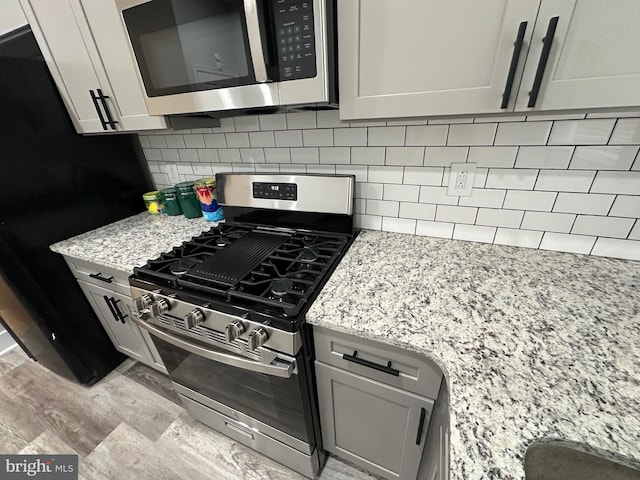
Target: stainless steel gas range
(226,309)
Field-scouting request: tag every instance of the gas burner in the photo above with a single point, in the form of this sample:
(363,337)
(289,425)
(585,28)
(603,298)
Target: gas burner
(182,266)
(308,255)
(221,242)
(281,287)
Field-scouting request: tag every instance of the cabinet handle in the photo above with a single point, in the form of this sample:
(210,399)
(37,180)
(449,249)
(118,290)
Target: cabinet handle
(94,97)
(366,363)
(99,276)
(103,99)
(109,122)
(112,303)
(542,63)
(515,58)
(423,414)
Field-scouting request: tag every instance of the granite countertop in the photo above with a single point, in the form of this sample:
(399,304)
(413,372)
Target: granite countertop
(129,243)
(534,344)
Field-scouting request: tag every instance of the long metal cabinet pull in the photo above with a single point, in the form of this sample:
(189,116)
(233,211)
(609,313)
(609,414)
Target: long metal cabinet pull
(423,414)
(103,99)
(284,371)
(112,308)
(99,276)
(547,41)
(109,121)
(94,97)
(366,363)
(515,58)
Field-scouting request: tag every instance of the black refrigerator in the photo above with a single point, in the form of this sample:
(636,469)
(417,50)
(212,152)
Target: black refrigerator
(55,184)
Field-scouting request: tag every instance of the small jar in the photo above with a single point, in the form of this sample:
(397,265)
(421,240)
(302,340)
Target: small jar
(170,202)
(188,200)
(152,202)
(206,190)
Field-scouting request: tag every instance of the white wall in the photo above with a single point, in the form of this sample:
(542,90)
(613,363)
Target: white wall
(569,182)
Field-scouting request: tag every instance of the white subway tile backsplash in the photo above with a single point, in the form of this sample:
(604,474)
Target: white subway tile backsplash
(474,233)
(567,181)
(611,227)
(626,132)
(423,176)
(549,222)
(174,141)
(432,135)
(194,140)
(301,120)
(144,141)
(185,169)
(252,155)
(405,156)
(611,247)
(368,123)
(152,154)
(305,155)
(444,156)
(328,119)
(335,155)
(157,141)
(369,190)
(518,238)
(188,155)
(385,136)
(154,167)
(367,155)
(449,120)
(292,169)
(419,211)
(350,137)
(582,132)
(288,138)
(160,179)
(484,198)
(534,117)
(226,125)
(617,182)
(523,133)
(386,174)
(266,168)
(403,122)
(498,157)
(626,206)
(277,155)
(544,157)
(480,179)
(359,205)
(359,171)
(499,118)
(273,122)
(584,203)
(520,179)
(447,213)
(215,140)
(635,231)
(399,225)
(436,195)
(170,155)
(247,123)
(208,155)
(317,138)
(382,207)
(434,229)
(402,193)
(497,217)
(614,114)
(237,140)
(371,222)
(203,170)
(321,169)
(229,155)
(243,168)
(221,168)
(262,139)
(472,134)
(567,243)
(604,158)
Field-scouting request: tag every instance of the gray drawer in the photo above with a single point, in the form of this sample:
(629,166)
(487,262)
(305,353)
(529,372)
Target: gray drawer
(417,374)
(101,276)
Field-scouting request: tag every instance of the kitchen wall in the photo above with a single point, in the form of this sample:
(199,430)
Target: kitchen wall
(565,182)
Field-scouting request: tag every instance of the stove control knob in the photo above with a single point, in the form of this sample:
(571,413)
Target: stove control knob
(257,338)
(233,330)
(143,302)
(159,307)
(194,317)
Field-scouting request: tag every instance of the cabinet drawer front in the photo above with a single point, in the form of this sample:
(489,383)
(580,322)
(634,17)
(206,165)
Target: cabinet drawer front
(373,425)
(101,276)
(415,373)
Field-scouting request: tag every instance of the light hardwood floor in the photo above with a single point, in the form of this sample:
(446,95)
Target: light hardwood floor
(128,426)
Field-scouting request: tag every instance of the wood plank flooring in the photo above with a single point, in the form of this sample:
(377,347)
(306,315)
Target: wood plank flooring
(128,426)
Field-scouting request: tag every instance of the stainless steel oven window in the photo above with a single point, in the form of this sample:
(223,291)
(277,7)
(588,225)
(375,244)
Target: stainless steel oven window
(190,45)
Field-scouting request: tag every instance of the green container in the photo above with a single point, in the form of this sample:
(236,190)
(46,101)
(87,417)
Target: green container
(170,202)
(153,203)
(188,200)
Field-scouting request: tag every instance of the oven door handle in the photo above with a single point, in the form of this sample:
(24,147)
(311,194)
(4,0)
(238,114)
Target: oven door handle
(283,370)
(255,41)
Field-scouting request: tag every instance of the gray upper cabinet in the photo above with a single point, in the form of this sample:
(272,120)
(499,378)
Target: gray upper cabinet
(429,58)
(98,86)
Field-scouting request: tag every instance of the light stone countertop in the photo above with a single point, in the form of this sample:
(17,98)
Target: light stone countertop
(129,243)
(534,344)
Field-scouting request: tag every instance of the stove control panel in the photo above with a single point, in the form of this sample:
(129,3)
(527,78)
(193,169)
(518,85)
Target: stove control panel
(159,307)
(234,330)
(257,338)
(194,318)
(275,191)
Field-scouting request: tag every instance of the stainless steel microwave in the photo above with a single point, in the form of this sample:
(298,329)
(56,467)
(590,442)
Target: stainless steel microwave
(215,55)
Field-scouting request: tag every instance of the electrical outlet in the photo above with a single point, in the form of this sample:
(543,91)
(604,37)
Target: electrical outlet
(461,179)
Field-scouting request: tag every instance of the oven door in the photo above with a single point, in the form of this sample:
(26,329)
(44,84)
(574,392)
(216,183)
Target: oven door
(199,55)
(269,391)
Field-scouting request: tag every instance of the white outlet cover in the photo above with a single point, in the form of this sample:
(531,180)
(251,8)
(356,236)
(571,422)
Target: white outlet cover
(456,168)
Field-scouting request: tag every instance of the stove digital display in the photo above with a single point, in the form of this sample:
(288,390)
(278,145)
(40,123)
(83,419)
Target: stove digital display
(275,191)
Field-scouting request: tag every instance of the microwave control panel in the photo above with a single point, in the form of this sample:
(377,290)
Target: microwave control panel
(295,39)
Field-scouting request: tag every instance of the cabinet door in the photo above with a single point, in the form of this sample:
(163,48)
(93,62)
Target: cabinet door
(378,427)
(594,59)
(125,336)
(428,57)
